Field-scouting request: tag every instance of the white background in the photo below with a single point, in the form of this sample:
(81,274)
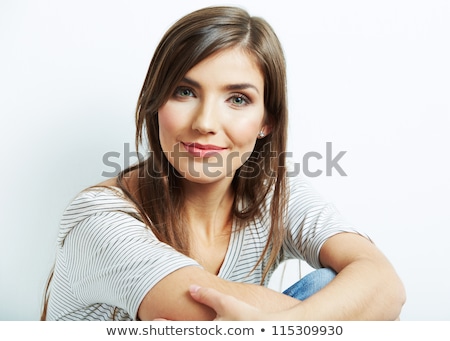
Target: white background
(372,77)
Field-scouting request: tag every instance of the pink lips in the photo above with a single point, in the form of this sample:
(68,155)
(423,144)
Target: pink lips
(202,150)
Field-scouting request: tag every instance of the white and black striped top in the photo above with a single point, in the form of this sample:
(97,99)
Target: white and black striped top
(107,260)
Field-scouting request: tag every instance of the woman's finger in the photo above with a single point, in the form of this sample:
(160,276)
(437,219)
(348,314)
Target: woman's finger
(227,307)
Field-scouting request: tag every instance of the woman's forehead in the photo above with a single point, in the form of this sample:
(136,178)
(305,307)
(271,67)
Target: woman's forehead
(231,66)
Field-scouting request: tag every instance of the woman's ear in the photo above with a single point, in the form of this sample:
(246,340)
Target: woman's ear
(266,129)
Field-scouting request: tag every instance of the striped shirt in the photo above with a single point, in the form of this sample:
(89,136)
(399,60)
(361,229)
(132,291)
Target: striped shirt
(107,260)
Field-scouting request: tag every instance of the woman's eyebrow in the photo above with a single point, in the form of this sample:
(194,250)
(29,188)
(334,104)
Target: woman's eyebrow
(242,86)
(239,86)
(191,82)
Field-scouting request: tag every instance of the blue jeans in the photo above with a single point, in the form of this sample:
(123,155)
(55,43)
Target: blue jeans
(310,284)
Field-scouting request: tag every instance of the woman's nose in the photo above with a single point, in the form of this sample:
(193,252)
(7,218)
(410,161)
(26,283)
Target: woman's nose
(206,119)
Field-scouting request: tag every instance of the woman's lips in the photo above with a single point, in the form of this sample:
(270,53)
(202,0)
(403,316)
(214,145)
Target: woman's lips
(202,150)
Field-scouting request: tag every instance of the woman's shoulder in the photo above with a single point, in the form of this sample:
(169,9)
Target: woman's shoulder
(96,200)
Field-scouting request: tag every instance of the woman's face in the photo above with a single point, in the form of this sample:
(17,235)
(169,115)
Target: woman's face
(209,125)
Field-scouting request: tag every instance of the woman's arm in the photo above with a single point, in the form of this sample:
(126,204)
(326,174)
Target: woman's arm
(170,299)
(366,288)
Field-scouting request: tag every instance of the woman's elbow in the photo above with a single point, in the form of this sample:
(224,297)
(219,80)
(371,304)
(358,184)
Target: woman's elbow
(397,297)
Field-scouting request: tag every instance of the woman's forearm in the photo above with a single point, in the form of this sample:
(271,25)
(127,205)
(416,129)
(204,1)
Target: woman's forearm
(366,287)
(364,290)
(347,297)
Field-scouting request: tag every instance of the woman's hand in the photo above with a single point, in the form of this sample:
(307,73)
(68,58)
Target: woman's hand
(228,308)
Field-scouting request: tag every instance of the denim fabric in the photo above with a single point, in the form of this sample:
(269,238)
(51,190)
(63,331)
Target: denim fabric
(310,284)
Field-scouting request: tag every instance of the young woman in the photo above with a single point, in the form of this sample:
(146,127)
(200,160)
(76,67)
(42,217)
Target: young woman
(212,205)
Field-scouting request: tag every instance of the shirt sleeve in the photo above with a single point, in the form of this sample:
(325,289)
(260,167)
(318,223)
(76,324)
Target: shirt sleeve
(114,258)
(310,222)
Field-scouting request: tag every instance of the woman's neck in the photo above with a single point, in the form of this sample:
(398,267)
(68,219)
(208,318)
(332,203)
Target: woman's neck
(208,208)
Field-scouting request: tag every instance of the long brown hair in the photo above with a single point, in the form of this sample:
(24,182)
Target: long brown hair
(157,192)
(190,40)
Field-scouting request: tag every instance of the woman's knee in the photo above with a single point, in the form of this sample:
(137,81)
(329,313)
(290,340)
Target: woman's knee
(311,283)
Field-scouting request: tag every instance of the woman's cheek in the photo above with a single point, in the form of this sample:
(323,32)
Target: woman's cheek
(245,133)
(167,120)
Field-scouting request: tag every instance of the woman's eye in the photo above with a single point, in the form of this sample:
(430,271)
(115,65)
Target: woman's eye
(184,92)
(239,100)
